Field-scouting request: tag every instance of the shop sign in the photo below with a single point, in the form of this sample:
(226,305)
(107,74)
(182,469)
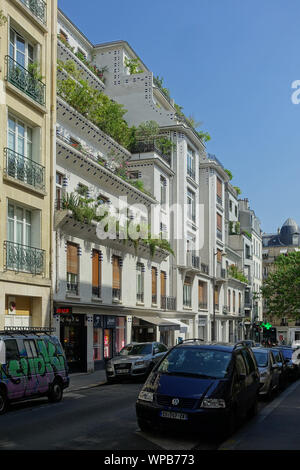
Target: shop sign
(62,310)
(110,322)
(98,321)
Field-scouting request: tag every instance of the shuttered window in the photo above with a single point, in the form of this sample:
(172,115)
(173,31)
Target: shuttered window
(219,187)
(116,272)
(219,222)
(162,283)
(219,256)
(96,273)
(216,296)
(233,300)
(229,300)
(72,258)
(154,281)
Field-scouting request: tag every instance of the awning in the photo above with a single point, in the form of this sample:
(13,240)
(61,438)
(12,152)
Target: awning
(183,326)
(163,323)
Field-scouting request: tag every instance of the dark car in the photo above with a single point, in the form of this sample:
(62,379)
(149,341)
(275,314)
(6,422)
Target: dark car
(292,368)
(135,360)
(281,361)
(269,371)
(208,386)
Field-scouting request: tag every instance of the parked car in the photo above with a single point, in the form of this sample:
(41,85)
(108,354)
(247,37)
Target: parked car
(33,364)
(281,361)
(292,367)
(135,360)
(202,386)
(269,371)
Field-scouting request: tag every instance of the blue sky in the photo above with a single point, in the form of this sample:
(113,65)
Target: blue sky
(230,64)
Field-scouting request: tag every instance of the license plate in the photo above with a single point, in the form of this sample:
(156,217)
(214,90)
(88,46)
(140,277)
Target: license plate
(173,415)
(122,371)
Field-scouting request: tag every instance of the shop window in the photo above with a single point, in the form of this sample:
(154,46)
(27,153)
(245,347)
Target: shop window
(97,344)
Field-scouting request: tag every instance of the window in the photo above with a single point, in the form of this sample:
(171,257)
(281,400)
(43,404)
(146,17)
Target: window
(219,226)
(240,364)
(96,273)
(19,225)
(191,209)
(97,344)
(249,361)
(140,282)
(163,192)
(30,348)
(229,300)
(236,211)
(58,190)
(12,351)
(19,137)
(233,301)
(116,285)
(202,294)
(216,297)
(72,268)
(161,348)
(154,285)
(219,191)
(190,163)
(20,49)
(163,277)
(230,206)
(187,292)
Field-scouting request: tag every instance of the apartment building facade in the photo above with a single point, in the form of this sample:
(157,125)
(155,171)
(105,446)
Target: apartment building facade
(27,120)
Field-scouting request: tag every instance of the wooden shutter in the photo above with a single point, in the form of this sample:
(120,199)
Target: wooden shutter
(219,187)
(162,283)
(72,258)
(116,273)
(229,300)
(233,301)
(216,295)
(96,273)
(219,256)
(201,292)
(154,282)
(219,222)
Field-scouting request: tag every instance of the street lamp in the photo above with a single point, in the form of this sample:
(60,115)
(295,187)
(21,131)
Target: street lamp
(214,286)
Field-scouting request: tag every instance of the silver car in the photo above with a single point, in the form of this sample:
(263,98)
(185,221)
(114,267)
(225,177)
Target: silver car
(269,371)
(134,360)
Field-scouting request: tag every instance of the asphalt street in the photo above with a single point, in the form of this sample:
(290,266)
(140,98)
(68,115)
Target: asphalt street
(100,418)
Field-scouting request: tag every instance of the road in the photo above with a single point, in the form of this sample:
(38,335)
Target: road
(100,418)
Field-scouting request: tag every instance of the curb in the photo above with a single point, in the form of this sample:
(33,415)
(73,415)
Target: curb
(85,387)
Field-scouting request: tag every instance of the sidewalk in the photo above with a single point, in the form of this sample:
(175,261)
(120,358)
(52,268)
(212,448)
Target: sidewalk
(276,427)
(82,381)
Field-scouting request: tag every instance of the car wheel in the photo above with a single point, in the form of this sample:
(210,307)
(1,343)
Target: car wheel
(144,425)
(56,392)
(3,401)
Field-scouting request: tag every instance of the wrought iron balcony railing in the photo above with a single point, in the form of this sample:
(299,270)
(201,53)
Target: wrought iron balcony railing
(24,258)
(72,288)
(205,268)
(168,303)
(21,78)
(140,297)
(202,305)
(38,8)
(96,291)
(154,299)
(191,173)
(116,294)
(24,169)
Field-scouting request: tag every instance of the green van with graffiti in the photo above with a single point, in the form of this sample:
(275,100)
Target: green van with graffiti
(32,365)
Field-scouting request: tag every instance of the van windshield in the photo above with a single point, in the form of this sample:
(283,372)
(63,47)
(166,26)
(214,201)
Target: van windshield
(136,350)
(207,363)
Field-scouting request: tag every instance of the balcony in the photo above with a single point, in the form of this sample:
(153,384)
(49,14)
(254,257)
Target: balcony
(202,305)
(221,272)
(24,169)
(168,303)
(192,260)
(205,268)
(146,147)
(219,200)
(38,8)
(154,299)
(219,234)
(191,173)
(25,81)
(226,309)
(116,295)
(72,288)
(96,292)
(22,258)
(140,297)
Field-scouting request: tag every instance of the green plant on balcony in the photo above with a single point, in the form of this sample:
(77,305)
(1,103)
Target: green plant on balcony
(133,65)
(236,274)
(3,18)
(148,132)
(34,70)
(96,71)
(158,82)
(238,190)
(165,145)
(229,174)
(105,113)
(249,235)
(65,42)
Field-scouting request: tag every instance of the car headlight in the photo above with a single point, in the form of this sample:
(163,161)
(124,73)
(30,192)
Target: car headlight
(145,396)
(139,363)
(213,403)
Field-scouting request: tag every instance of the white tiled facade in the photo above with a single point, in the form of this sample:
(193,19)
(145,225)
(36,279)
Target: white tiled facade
(189,183)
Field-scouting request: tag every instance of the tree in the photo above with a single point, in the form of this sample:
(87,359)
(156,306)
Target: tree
(281,290)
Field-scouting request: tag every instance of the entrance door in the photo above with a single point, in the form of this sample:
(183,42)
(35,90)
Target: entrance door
(108,343)
(73,336)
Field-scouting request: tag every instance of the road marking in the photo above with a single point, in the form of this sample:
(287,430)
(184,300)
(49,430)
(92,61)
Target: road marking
(174,443)
(76,396)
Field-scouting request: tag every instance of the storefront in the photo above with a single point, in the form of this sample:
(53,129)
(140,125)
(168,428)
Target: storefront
(88,338)
(73,337)
(148,329)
